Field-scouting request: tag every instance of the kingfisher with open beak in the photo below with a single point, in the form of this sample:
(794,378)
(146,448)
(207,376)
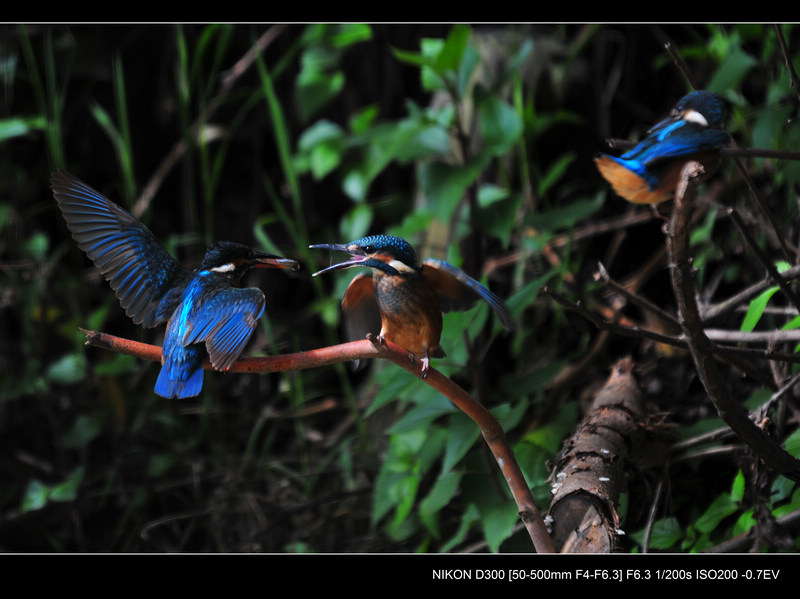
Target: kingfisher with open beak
(650,172)
(205,312)
(400,299)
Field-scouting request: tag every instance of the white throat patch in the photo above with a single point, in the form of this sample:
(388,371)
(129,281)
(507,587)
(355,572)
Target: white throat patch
(692,116)
(400,266)
(229,267)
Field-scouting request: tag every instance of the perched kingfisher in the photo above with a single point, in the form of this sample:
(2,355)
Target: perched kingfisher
(200,306)
(650,172)
(402,300)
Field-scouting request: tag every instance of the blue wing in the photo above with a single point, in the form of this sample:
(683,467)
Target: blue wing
(681,138)
(139,270)
(459,291)
(225,321)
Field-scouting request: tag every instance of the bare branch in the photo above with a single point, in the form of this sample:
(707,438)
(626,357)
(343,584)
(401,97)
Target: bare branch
(492,432)
(699,344)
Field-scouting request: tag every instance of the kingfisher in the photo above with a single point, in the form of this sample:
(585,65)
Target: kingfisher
(402,300)
(650,172)
(202,307)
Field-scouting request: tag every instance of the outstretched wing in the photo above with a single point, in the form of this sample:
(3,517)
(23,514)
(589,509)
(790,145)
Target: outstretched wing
(138,269)
(225,321)
(459,291)
(361,312)
(360,308)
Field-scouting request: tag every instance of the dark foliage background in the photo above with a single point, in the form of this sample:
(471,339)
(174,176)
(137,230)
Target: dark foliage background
(332,132)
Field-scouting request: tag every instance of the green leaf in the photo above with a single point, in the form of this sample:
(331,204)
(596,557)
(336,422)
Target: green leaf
(425,411)
(468,518)
(444,184)
(362,120)
(463,434)
(116,365)
(351,33)
(757,306)
(567,216)
(498,521)
(792,324)
(499,218)
(321,132)
(414,138)
(770,125)
(466,68)
(68,370)
(722,507)
(500,124)
(159,464)
(743,524)
(19,126)
(405,492)
(737,490)
(68,490)
(34,497)
(315,90)
(356,222)
(440,60)
(394,383)
(85,429)
(36,246)
(756,309)
(735,65)
(442,492)
(37,494)
(399,475)
(555,172)
(489,194)
(451,53)
(355,185)
(664,534)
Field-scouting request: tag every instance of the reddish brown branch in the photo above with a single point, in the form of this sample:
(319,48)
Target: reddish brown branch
(492,432)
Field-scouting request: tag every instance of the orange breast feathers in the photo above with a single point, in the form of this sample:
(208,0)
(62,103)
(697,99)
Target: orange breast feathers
(411,315)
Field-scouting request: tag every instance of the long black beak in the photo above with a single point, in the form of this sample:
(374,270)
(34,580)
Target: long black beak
(357,256)
(263,260)
(664,123)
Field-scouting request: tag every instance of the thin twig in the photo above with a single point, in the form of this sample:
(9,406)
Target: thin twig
(733,302)
(679,341)
(768,265)
(625,144)
(603,276)
(787,254)
(179,149)
(787,60)
(676,58)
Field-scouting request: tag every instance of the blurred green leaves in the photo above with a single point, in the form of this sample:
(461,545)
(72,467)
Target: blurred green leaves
(479,170)
(472,126)
(320,79)
(38,494)
(430,137)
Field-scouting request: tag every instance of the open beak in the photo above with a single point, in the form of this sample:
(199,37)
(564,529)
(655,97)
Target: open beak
(271,261)
(356,256)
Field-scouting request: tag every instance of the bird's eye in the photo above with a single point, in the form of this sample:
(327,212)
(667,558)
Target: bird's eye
(368,249)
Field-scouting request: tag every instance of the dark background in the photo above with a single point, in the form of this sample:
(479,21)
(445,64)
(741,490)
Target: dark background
(278,463)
